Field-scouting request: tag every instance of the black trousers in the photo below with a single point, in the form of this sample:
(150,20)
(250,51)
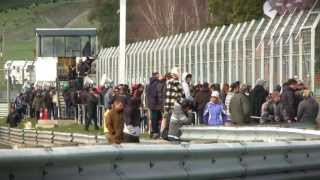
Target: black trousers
(92,117)
(156,116)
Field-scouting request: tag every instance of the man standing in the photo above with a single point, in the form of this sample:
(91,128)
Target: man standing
(154,104)
(239,107)
(258,97)
(288,101)
(113,121)
(92,109)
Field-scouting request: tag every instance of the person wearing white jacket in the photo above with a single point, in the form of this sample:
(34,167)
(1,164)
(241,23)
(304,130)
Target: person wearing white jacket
(186,85)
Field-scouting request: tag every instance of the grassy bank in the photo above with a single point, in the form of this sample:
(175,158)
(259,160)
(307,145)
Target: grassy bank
(21,20)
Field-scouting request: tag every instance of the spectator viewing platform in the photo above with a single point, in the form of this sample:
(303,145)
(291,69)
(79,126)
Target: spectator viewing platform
(66,42)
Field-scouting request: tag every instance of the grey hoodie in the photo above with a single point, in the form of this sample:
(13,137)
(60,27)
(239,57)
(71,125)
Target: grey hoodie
(178,119)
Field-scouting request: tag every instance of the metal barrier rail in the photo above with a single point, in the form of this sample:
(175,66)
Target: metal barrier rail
(81,114)
(9,136)
(280,160)
(267,134)
(81,117)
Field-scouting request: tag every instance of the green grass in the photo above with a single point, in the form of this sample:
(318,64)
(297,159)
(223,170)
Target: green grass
(13,4)
(21,23)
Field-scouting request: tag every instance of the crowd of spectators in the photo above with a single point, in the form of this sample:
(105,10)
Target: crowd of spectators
(168,102)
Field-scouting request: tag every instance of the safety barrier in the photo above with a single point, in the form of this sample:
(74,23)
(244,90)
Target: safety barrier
(11,136)
(81,117)
(281,160)
(3,109)
(81,114)
(267,134)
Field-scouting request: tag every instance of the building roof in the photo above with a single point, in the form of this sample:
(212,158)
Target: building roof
(66,31)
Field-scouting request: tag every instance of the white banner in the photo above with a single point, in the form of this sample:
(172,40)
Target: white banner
(46,69)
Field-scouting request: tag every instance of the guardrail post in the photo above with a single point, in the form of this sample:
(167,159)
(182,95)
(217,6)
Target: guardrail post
(37,140)
(72,137)
(52,137)
(9,134)
(96,138)
(23,137)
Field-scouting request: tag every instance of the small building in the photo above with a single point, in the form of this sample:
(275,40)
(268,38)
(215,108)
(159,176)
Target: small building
(59,48)
(66,42)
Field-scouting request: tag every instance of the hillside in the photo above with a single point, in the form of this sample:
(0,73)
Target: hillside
(21,20)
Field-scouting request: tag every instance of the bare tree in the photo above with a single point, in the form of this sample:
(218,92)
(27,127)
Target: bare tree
(168,17)
(196,12)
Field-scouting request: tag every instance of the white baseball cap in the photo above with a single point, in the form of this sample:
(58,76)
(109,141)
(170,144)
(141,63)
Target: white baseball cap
(215,94)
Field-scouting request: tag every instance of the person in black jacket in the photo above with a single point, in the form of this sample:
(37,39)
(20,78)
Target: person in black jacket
(132,115)
(92,109)
(258,96)
(201,99)
(288,101)
(13,118)
(155,94)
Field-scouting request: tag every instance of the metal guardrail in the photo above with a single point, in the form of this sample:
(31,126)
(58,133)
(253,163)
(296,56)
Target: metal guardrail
(10,136)
(267,134)
(81,114)
(280,160)
(3,109)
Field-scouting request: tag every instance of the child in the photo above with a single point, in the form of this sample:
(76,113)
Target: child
(114,122)
(214,113)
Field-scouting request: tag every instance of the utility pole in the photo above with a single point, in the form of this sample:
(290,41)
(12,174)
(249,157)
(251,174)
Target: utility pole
(2,42)
(122,42)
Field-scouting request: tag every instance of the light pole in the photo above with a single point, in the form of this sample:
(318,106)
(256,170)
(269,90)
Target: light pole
(8,68)
(122,42)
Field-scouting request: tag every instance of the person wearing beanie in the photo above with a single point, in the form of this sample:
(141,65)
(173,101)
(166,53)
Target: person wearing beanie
(214,114)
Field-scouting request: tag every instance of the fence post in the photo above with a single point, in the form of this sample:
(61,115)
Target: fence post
(72,137)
